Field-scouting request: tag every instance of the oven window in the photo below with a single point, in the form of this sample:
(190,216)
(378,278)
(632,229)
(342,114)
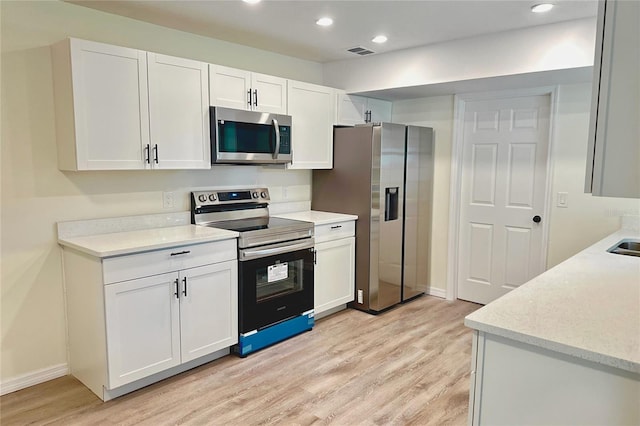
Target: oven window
(279,279)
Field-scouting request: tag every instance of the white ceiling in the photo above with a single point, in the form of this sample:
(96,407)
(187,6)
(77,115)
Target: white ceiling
(288,27)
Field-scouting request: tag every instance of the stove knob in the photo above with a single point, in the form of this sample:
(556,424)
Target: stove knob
(202,198)
(255,195)
(212,197)
(263,194)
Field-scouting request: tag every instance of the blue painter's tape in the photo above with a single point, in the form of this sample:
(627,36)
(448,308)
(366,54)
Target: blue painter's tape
(274,334)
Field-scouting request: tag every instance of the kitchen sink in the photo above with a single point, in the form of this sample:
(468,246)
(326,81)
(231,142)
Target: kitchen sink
(627,247)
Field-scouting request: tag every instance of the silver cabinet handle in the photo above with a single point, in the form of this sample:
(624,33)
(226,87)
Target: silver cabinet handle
(276,127)
(255,97)
(250,254)
(249,98)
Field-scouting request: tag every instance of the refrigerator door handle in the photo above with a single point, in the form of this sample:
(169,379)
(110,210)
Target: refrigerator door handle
(391,203)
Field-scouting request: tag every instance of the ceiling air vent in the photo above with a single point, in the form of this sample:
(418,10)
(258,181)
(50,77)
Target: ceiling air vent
(360,51)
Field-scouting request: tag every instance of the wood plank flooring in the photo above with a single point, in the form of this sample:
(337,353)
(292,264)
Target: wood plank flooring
(407,366)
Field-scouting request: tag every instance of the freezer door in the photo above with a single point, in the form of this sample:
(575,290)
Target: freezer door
(417,212)
(387,194)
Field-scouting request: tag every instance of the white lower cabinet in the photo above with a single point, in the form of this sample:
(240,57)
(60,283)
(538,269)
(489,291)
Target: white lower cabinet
(515,383)
(158,322)
(131,326)
(334,277)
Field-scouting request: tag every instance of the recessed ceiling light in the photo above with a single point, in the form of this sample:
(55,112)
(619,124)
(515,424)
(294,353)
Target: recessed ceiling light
(251,1)
(379,39)
(542,7)
(324,22)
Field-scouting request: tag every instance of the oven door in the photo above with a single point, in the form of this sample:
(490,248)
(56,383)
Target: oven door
(275,283)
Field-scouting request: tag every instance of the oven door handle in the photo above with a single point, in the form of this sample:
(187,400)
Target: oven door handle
(250,254)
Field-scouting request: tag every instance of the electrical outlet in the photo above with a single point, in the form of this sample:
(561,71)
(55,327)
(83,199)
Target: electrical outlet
(168,200)
(360,297)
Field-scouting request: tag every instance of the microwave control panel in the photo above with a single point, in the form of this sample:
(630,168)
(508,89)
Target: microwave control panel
(285,140)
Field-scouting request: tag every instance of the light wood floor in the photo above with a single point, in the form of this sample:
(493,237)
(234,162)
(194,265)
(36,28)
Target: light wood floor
(409,365)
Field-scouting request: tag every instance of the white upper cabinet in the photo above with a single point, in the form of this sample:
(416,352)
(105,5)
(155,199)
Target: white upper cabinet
(101,100)
(178,113)
(269,93)
(613,164)
(379,110)
(240,89)
(313,113)
(121,108)
(354,110)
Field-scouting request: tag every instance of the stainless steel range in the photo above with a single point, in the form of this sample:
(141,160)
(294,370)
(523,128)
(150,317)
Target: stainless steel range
(275,264)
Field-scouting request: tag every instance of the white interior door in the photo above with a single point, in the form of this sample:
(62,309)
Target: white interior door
(503,187)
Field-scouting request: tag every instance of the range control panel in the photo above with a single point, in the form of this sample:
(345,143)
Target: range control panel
(218,197)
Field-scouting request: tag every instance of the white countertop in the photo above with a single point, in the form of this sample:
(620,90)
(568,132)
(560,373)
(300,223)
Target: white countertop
(588,307)
(318,217)
(120,243)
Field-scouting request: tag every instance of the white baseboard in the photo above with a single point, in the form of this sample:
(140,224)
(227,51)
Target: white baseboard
(437,292)
(33,378)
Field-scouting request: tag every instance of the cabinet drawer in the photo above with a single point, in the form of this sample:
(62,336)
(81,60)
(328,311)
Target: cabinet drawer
(333,231)
(122,268)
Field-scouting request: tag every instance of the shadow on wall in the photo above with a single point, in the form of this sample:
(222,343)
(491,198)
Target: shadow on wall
(31,280)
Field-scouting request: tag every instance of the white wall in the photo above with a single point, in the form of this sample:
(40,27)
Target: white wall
(586,220)
(543,48)
(436,112)
(36,195)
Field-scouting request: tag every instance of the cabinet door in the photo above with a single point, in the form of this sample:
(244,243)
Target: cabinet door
(109,107)
(380,111)
(312,109)
(351,109)
(208,309)
(334,278)
(229,87)
(143,327)
(613,165)
(178,113)
(269,93)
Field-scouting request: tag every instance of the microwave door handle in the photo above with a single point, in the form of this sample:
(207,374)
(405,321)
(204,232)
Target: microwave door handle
(276,127)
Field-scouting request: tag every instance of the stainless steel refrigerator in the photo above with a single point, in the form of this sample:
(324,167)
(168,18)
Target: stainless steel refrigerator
(384,174)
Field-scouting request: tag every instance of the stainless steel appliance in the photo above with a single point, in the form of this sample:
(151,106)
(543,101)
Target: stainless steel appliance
(249,137)
(384,174)
(275,264)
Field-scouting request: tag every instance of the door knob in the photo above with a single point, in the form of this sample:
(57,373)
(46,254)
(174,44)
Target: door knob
(537,219)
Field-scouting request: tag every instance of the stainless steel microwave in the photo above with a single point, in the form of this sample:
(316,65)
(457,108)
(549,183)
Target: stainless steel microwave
(249,137)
